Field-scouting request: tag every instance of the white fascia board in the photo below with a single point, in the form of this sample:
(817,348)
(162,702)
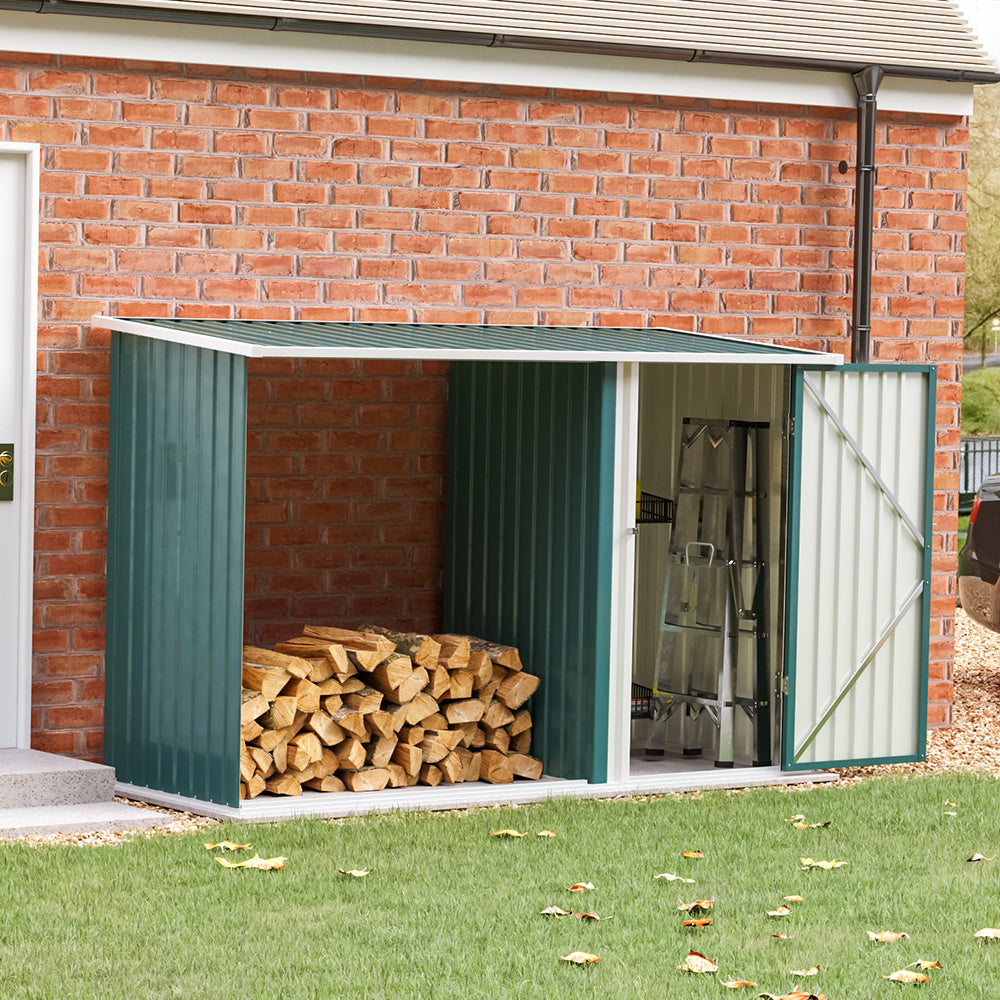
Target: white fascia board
(77,35)
(249,350)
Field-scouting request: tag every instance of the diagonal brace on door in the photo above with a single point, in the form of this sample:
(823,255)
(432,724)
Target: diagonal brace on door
(863,458)
(865,663)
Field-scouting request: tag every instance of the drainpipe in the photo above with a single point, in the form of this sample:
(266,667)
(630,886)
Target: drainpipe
(867,84)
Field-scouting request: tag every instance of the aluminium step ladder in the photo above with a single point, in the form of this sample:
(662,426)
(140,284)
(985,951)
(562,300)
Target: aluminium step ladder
(713,628)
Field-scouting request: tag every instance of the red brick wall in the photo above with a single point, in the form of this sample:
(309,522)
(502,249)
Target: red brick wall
(204,192)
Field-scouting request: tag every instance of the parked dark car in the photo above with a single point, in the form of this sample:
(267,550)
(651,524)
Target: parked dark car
(979,560)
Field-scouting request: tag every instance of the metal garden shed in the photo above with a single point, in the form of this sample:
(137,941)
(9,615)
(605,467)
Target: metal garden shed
(561,422)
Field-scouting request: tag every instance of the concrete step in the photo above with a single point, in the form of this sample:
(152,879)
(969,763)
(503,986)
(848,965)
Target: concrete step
(32,778)
(88,817)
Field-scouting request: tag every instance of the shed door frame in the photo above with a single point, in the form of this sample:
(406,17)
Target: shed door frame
(19,171)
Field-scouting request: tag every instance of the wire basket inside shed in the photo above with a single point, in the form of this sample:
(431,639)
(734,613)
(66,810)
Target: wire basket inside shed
(642,702)
(651,509)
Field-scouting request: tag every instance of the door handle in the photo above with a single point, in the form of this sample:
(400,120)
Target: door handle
(6,472)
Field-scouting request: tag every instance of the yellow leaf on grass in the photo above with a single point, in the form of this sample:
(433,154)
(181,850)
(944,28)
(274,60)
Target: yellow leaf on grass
(700,922)
(988,932)
(692,854)
(801,825)
(555,911)
(267,864)
(781,937)
(794,995)
(795,899)
(580,887)
(814,971)
(228,845)
(579,957)
(797,818)
(356,872)
(951,814)
(905,976)
(954,805)
(981,857)
(781,911)
(586,916)
(923,963)
(697,906)
(545,833)
(505,833)
(887,936)
(808,863)
(675,878)
(697,962)
(735,984)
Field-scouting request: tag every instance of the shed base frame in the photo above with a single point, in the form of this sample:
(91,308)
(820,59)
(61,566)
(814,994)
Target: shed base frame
(338,804)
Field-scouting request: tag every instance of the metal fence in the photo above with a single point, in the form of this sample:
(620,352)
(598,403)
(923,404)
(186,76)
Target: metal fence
(979,458)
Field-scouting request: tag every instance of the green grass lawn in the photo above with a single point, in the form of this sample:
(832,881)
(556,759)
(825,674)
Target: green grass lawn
(451,912)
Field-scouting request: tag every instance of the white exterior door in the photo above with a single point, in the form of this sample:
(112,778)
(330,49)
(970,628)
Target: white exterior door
(18,281)
(859,561)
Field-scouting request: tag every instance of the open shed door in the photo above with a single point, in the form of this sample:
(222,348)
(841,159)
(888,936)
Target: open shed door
(859,558)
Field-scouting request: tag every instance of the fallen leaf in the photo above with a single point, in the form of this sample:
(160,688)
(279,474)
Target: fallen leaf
(954,805)
(951,814)
(794,995)
(795,899)
(586,916)
(905,976)
(506,833)
(814,971)
(981,857)
(923,963)
(781,911)
(228,845)
(887,936)
(797,818)
(580,886)
(692,854)
(735,984)
(808,863)
(545,833)
(988,932)
(356,872)
(697,962)
(697,906)
(579,957)
(782,937)
(555,911)
(811,826)
(675,878)
(700,922)
(267,864)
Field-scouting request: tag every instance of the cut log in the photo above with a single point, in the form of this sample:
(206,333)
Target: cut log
(433,749)
(498,739)
(261,758)
(350,754)
(517,688)
(302,774)
(256,785)
(398,713)
(365,649)
(281,712)
(368,779)
(451,769)
(269,739)
(321,669)
(489,689)
(381,724)
(327,764)
(461,684)
(309,742)
(267,680)
(305,693)
(458,712)
(408,686)
(259,657)
(525,766)
(497,714)
(379,751)
(481,668)
(430,775)
(280,756)
(332,704)
(411,734)
(496,768)
(365,701)
(326,783)
(250,730)
(284,784)
(522,742)
(420,708)
(309,648)
(503,656)
(247,765)
(397,776)
(468,731)
(454,653)
(471,763)
(410,758)
(522,721)
(435,721)
(351,722)
(252,705)
(350,684)
(422,649)
(389,675)
(325,728)
(439,683)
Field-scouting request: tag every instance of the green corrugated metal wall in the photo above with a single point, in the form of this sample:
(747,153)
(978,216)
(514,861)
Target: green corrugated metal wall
(528,562)
(175,567)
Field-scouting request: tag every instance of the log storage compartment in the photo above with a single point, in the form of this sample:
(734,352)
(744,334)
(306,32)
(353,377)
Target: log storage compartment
(337,709)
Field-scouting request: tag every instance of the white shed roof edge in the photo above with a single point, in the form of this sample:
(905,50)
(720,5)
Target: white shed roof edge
(786,356)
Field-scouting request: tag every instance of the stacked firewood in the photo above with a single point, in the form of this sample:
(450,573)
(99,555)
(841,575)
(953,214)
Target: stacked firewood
(337,709)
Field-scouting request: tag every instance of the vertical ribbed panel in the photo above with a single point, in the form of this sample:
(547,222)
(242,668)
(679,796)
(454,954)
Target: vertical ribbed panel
(530,492)
(859,574)
(175,567)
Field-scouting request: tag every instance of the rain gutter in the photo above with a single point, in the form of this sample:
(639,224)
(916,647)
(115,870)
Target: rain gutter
(485,39)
